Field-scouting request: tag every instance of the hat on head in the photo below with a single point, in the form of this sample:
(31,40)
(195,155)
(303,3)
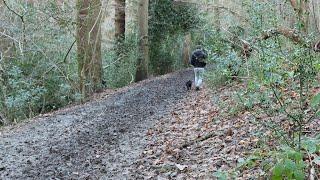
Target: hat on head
(198,47)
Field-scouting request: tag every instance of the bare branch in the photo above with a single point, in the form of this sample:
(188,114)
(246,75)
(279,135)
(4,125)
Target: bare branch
(289,33)
(13,11)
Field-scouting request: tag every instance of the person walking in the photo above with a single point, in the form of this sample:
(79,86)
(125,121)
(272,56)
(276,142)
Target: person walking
(197,60)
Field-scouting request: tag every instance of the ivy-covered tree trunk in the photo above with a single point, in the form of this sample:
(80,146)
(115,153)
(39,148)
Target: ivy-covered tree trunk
(89,45)
(120,25)
(143,59)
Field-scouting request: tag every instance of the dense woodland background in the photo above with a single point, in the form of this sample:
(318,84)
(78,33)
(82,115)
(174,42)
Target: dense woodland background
(57,52)
(41,64)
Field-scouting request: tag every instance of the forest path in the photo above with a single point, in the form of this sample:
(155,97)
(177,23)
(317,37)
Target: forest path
(100,139)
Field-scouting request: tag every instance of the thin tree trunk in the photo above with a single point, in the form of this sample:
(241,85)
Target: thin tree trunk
(89,46)
(120,26)
(4,109)
(318,14)
(315,16)
(143,59)
(216,10)
(120,19)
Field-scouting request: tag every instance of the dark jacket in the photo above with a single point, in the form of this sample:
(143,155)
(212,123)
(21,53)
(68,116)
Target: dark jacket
(198,58)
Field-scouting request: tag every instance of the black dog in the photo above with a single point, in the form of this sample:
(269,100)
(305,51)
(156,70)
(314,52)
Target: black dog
(189,84)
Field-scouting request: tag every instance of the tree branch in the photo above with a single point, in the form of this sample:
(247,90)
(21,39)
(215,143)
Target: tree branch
(23,24)
(291,34)
(286,32)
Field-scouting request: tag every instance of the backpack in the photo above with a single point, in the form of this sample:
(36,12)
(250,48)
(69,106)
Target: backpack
(197,58)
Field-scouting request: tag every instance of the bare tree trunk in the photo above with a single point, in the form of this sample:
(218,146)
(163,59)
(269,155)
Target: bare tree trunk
(143,59)
(89,45)
(315,15)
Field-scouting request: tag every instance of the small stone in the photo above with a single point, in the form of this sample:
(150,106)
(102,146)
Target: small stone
(228,139)
(181,167)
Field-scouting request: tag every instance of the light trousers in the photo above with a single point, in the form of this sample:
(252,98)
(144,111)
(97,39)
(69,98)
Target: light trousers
(198,76)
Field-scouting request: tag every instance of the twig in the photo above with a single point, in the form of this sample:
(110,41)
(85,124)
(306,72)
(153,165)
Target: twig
(208,136)
(8,36)
(114,62)
(240,77)
(69,50)
(64,61)
(14,12)
(95,23)
(13,39)
(273,128)
(23,25)
(312,117)
(132,78)
(282,105)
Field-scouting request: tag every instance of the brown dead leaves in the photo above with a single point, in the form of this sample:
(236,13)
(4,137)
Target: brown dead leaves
(200,137)
(197,139)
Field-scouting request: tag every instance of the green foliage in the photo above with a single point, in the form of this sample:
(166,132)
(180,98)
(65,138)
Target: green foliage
(279,76)
(167,25)
(120,71)
(39,77)
(23,93)
(227,63)
(166,18)
(248,162)
(290,166)
(315,102)
(311,145)
(220,175)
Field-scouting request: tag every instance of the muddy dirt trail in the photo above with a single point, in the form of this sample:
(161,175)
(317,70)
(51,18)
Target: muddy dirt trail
(98,140)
